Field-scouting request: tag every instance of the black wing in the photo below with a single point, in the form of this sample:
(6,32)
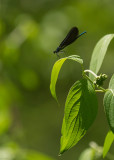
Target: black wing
(71,37)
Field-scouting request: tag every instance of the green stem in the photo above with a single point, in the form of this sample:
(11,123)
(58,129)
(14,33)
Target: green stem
(104,90)
(89,71)
(82,68)
(84,75)
(99,91)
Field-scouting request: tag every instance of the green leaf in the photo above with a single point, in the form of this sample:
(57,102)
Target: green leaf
(99,53)
(80,112)
(56,69)
(107,144)
(109,104)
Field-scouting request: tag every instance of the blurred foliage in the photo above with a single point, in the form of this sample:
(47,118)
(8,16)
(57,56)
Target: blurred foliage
(29,32)
(94,152)
(12,152)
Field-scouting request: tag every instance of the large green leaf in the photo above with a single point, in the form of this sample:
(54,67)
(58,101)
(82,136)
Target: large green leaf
(80,112)
(109,104)
(56,69)
(108,141)
(99,53)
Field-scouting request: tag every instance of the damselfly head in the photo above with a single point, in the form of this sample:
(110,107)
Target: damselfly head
(57,50)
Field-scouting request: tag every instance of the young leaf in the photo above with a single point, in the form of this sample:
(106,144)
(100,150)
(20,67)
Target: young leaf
(107,144)
(109,104)
(92,153)
(88,154)
(80,112)
(56,69)
(99,53)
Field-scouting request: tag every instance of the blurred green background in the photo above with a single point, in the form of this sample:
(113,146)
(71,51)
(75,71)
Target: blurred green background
(30,30)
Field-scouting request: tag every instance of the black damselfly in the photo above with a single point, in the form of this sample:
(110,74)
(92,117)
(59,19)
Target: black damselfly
(72,35)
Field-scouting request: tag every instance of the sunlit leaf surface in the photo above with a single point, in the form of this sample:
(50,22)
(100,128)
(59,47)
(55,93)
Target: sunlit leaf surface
(80,112)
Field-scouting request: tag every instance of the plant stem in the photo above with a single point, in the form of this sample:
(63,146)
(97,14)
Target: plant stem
(104,90)
(99,91)
(84,75)
(91,73)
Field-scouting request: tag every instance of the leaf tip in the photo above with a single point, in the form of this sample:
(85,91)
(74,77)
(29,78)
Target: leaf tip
(62,150)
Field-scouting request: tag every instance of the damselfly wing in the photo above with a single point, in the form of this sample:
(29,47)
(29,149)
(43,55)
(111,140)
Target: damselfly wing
(72,35)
